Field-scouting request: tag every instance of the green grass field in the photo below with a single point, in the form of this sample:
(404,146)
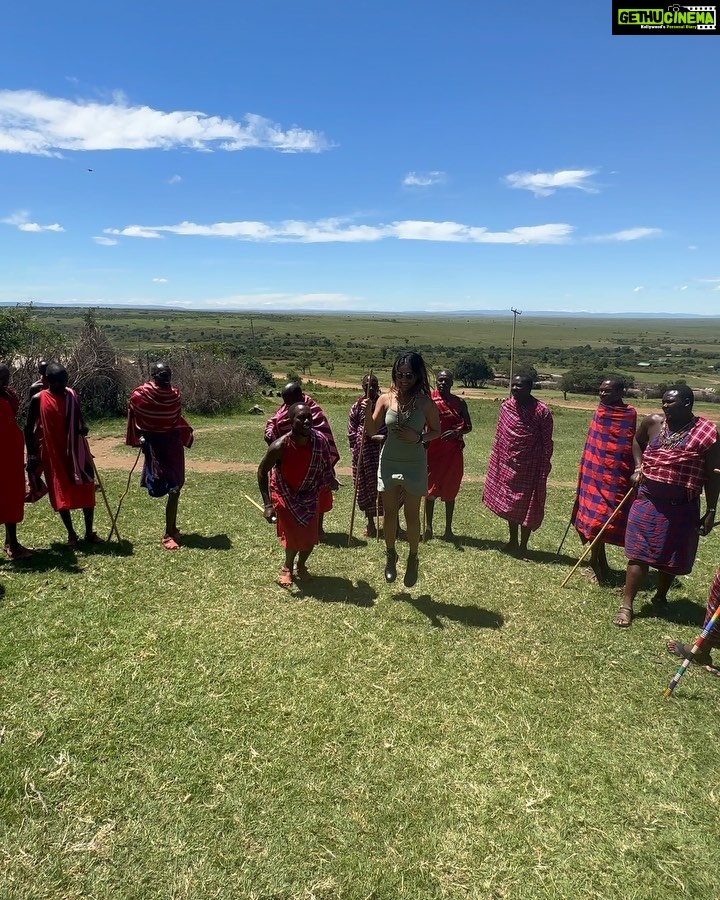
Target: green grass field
(176,726)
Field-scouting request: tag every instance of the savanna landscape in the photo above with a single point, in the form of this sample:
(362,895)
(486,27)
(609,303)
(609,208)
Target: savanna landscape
(177,725)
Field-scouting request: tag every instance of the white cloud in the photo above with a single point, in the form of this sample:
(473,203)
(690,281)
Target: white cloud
(20,220)
(160,280)
(630,234)
(31,122)
(339,230)
(423,179)
(692,247)
(708,280)
(684,287)
(717,288)
(104,241)
(636,290)
(174,179)
(276,301)
(542,184)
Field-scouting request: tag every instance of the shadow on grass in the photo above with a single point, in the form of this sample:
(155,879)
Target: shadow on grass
(333,589)
(58,557)
(681,612)
(340,539)
(206,542)
(542,556)
(108,548)
(472,616)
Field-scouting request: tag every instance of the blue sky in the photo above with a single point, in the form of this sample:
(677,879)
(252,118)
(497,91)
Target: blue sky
(408,156)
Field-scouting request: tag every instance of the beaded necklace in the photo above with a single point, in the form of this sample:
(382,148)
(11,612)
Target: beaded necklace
(668,438)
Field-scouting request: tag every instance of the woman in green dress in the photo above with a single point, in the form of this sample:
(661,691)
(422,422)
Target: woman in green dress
(412,421)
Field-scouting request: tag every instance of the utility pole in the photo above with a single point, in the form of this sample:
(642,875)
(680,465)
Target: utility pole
(516,313)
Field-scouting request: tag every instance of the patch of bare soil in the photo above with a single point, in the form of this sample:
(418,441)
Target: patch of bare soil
(110,454)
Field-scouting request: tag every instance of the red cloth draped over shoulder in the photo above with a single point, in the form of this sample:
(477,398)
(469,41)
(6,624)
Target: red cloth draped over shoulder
(156,410)
(445,458)
(606,467)
(12,459)
(297,483)
(279,424)
(64,452)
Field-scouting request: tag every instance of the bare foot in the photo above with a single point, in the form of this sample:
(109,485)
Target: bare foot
(703,658)
(17,551)
(92,537)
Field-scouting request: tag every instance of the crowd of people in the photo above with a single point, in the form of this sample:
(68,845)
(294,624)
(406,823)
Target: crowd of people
(639,484)
(59,461)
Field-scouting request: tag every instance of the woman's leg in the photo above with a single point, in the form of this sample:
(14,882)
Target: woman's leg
(391,505)
(412,520)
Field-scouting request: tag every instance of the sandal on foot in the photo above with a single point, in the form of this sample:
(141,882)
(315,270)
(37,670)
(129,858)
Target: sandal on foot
(73,540)
(169,543)
(589,574)
(623,617)
(93,538)
(302,574)
(683,651)
(285,578)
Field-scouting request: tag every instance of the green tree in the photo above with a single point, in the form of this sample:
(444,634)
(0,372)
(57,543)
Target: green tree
(473,369)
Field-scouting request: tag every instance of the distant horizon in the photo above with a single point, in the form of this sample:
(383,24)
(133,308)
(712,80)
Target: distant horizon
(354,313)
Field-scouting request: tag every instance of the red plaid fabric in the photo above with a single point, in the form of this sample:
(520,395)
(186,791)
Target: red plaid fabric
(681,463)
(366,478)
(604,476)
(302,501)
(519,464)
(155,410)
(712,641)
(279,424)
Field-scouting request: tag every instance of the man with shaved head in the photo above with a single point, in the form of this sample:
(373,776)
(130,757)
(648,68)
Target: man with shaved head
(606,467)
(279,424)
(664,524)
(445,457)
(156,424)
(55,435)
(291,476)
(519,464)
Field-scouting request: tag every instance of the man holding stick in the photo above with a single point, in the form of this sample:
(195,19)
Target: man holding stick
(365,469)
(156,424)
(712,642)
(291,476)
(606,467)
(55,436)
(664,522)
(279,424)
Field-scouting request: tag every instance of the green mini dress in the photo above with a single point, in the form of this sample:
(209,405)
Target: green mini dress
(401,462)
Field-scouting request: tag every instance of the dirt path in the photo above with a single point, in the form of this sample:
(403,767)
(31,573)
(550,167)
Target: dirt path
(110,455)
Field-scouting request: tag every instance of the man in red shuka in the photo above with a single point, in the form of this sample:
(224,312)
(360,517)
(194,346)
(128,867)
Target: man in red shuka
(445,457)
(291,477)
(55,436)
(12,469)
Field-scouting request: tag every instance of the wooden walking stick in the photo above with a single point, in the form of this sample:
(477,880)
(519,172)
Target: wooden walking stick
(272,520)
(359,464)
(113,526)
(98,479)
(589,546)
(712,624)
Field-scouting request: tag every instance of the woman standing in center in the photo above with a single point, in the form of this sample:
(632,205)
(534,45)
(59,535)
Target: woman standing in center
(412,421)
